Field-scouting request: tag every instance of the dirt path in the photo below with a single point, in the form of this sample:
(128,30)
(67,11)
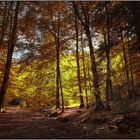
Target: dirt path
(17,123)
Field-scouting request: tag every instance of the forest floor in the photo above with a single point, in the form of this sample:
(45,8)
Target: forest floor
(73,123)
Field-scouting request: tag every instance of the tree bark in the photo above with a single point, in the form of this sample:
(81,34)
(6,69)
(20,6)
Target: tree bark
(57,73)
(62,95)
(3,23)
(90,86)
(78,65)
(11,45)
(126,68)
(94,72)
(84,70)
(109,93)
(130,62)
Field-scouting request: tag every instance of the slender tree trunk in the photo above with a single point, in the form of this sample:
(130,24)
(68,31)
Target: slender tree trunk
(3,23)
(6,14)
(59,89)
(108,72)
(126,68)
(62,95)
(130,62)
(106,41)
(131,73)
(11,45)
(57,73)
(107,45)
(94,71)
(78,65)
(84,70)
(90,86)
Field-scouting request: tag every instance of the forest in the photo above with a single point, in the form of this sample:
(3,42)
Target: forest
(69,69)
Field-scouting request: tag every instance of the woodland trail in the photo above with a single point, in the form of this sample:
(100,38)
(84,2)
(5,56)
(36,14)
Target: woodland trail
(74,123)
(19,123)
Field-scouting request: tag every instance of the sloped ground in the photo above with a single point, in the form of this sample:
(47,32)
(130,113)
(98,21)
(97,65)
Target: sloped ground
(74,123)
(103,123)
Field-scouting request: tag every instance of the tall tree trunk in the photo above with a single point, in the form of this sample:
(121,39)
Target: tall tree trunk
(6,14)
(59,89)
(108,72)
(84,70)
(3,23)
(130,62)
(86,25)
(57,73)
(107,45)
(58,78)
(94,71)
(78,65)
(11,45)
(126,68)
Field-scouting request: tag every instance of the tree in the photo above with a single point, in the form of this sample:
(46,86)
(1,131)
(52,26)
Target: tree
(84,69)
(78,65)
(11,44)
(108,46)
(6,13)
(86,24)
(55,17)
(129,86)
